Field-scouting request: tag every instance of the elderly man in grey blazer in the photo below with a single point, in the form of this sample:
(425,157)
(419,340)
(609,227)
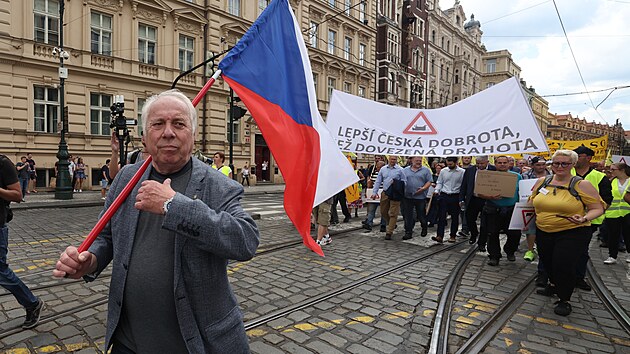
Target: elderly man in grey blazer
(169,245)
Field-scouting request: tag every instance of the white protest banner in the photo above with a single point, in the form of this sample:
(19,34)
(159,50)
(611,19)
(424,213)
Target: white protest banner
(621,158)
(522,217)
(525,189)
(497,120)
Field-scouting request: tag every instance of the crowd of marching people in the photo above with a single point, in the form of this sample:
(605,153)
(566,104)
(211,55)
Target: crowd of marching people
(573,198)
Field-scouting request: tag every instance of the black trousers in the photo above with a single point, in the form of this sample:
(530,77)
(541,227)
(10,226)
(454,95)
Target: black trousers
(617,227)
(560,253)
(412,207)
(339,198)
(497,220)
(449,204)
(473,209)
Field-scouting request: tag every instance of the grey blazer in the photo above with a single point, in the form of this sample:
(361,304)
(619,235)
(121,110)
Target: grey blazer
(211,228)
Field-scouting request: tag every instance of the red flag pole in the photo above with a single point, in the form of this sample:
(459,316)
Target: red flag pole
(107,216)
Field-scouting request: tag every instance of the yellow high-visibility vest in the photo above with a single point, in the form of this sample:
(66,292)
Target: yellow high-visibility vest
(619,208)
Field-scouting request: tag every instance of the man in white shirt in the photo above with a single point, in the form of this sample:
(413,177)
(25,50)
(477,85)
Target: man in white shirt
(447,192)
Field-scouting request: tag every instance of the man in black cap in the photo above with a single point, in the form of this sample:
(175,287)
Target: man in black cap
(602,184)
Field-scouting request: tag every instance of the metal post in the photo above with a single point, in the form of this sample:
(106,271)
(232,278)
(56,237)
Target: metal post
(231,133)
(63,188)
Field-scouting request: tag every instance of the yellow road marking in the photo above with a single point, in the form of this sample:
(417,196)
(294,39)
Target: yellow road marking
(433,292)
(464,320)
(524,351)
(407,285)
(481,303)
(49,349)
(507,330)
(18,351)
(474,314)
(76,346)
(623,342)
(256,333)
(427,313)
(461,325)
(547,321)
(508,342)
(582,330)
(305,326)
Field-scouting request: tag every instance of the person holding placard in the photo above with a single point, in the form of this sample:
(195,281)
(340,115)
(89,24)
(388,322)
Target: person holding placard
(498,212)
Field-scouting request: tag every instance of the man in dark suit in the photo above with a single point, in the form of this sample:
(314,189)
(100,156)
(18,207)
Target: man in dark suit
(473,204)
(169,245)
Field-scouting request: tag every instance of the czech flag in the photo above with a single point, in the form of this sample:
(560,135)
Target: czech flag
(270,71)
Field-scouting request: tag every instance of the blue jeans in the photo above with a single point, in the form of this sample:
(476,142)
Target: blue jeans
(371,214)
(8,279)
(24,186)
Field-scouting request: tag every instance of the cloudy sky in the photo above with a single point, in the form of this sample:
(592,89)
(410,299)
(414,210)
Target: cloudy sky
(598,33)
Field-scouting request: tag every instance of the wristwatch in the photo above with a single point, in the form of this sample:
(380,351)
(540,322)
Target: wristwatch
(167,204)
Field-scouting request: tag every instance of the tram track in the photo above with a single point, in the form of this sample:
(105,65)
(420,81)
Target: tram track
(442,322)
(264,319)
(54,316)
(608,299)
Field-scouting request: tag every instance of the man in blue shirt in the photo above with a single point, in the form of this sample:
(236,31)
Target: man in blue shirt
(498,212)
(389,176)
(418,182)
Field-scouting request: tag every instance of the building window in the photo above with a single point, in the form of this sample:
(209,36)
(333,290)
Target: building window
(313,34)
(433,36)
(362,49)
(347,48)
(491,65)
(141,102)
(332,84)
(347,87)
(101,34)
(100,113)
(391,83)
(332,3)
(315,79)
(147,37)
(236,130)
(46,15)
(46,107)
(432,66)
(489,84)
(362,11)
(332,39)
(262,5)
(234,7)
(361,91)
(186,51)
(347,6)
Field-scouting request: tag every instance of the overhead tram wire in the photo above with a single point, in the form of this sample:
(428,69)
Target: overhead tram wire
(575,61)
(586,92)
(517,11)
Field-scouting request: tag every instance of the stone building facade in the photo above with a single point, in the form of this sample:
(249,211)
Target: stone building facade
(137,48)
(568,127)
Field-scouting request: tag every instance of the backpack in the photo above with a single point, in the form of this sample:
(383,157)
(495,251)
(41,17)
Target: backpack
(574,180)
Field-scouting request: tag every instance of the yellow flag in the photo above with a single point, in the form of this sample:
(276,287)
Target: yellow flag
(609,160)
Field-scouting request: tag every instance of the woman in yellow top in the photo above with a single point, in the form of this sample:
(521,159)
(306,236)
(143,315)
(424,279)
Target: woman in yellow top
(563,226)
(618,214)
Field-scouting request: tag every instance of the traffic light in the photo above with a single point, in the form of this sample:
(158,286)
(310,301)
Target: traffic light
(238,112)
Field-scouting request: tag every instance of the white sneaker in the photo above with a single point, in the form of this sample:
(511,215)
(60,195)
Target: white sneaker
(628,259)
(80,190)
(75,190)
(326,240)
(610,260)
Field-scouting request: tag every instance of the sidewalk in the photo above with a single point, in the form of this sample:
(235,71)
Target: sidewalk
(43,200)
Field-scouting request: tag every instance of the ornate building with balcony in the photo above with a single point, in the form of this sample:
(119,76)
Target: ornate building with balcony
(454,55)
(567,127)
(137,48)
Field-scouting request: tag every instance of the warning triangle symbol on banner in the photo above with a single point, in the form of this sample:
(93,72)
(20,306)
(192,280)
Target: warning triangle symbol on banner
(623,160)
(420,125)
(528,216)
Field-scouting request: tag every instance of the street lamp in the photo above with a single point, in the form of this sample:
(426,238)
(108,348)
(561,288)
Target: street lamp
(63,189)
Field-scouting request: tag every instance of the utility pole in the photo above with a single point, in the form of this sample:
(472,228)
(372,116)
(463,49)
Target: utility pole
(63,189)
